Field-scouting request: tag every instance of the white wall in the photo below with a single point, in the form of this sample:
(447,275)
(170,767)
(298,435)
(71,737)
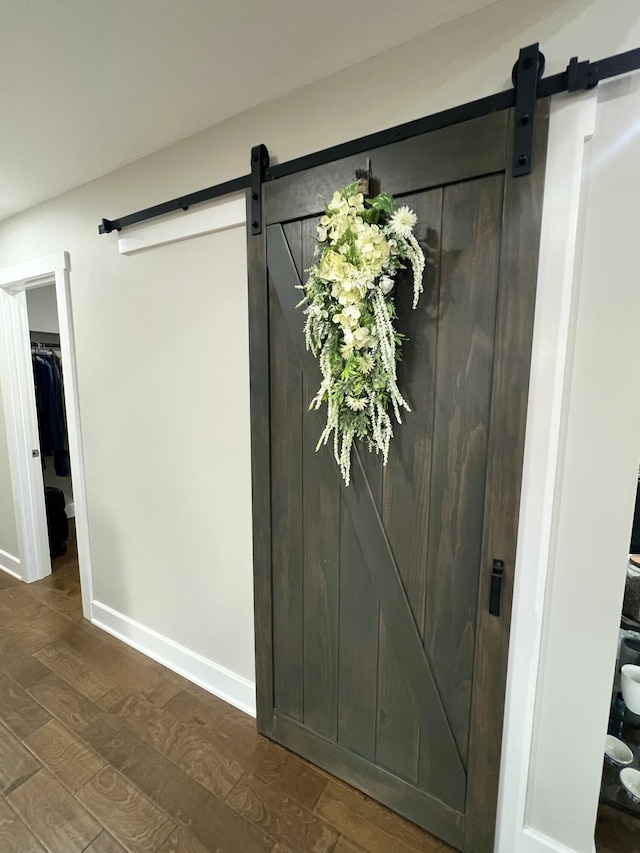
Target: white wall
(8,526)
(42,309)
(161,343)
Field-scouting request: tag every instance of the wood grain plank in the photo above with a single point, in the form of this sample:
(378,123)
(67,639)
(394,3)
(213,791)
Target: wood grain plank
(24,670)
(346,846)
(17,764)
(181,841)
(321,525)
(283,770)
(67,601)
(407,800)
(471,225)
(296,779)
(119,665)
(20,713)
(64,755)
(7,582)
(407,475)
(281,817)
(77,713)
(186,802)
(439,157)
(54,816)
(397,729)
(105,843)
(14,835)
(259,378)
(286,506)
(129,816)
(514,332)
(73,669)
(215,769)
(371,825)
(358,646)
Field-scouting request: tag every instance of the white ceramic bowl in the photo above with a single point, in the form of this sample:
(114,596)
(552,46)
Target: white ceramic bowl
(630,686)
(617,752)
(631,780)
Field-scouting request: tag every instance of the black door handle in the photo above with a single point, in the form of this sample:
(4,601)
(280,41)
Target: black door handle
(495,594)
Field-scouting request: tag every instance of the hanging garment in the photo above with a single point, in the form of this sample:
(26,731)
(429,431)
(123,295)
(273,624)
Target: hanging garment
(47,376)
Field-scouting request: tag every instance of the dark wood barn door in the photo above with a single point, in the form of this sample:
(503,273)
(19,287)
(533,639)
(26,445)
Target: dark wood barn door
(377,656)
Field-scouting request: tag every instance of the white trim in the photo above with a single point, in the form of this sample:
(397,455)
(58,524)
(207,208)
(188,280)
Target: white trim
(537,842)
(7,556)
(22,430)
(22,434)
(226,685)
(6,569)
(38,268)
(218,216)
(74,433)
(572,123)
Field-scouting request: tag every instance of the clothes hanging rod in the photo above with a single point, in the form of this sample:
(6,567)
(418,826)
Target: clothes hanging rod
(577,76)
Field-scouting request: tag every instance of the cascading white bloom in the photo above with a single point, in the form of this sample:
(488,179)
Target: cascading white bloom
(362,243)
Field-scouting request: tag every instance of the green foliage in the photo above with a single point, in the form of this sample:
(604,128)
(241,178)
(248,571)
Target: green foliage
(350,309)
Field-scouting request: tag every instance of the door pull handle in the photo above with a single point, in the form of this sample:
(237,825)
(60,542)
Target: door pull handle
(495,593)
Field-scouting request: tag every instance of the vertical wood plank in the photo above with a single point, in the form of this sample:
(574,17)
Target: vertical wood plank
(358,646)
(406,484)
(407,474)
(397,731)
(514,334)
(260,471)
(286,503)
(321,524)
(470,266)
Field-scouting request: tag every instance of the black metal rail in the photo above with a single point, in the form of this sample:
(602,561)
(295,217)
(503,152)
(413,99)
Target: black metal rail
(578,75)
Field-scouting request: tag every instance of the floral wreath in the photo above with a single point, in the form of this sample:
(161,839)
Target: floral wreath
(362,243)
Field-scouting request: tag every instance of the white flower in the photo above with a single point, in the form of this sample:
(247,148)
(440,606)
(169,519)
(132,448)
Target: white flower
(386,284)
(402,222)
(362,337)
(366,363)
(356,404)
(349,307)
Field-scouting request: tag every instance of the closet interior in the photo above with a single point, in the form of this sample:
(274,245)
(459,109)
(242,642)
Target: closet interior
(48,379)
(619,813)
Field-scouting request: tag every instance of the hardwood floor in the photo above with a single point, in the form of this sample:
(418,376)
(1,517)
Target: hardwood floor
(616,832)
(103,750)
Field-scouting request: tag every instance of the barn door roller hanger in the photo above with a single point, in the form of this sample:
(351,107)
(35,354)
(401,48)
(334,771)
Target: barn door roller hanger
(528,86)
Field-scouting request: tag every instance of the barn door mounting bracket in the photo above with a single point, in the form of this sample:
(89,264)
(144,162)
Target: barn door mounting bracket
(526,73)
(259,165)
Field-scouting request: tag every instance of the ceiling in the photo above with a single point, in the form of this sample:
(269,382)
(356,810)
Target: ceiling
(87,86)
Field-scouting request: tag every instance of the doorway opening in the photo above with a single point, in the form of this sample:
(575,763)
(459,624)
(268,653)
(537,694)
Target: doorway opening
(33,294)
(619,811)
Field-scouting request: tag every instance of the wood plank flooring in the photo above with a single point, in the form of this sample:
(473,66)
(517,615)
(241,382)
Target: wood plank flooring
(102,750)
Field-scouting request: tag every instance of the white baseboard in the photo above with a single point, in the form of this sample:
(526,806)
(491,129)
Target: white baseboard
(538,842)
(226,685)
(7,560)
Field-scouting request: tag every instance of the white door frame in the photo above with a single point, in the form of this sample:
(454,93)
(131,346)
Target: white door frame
(20,411)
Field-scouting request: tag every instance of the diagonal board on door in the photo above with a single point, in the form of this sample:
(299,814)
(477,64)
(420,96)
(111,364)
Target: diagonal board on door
(376,655)
(383,570)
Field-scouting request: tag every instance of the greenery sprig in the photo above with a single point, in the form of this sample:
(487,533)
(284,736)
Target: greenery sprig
(349,307)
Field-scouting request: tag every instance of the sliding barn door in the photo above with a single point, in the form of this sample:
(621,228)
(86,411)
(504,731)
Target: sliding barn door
(377,655)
